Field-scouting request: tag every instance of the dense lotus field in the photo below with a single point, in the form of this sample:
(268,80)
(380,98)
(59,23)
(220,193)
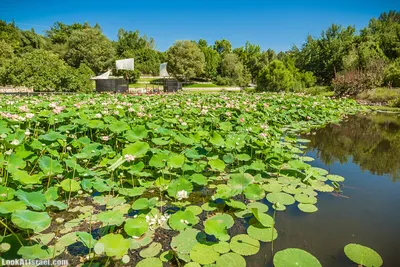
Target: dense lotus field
(179,179)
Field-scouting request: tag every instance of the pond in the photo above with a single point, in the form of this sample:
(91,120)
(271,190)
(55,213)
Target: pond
(365,149)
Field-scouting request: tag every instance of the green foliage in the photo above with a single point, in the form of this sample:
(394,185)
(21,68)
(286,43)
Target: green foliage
(91,47)
(233,71)
(212,59)
(45,71)
(392,74)
(185,60)
(275,77)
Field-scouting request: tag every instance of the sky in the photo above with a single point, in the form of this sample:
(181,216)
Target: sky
(278,24)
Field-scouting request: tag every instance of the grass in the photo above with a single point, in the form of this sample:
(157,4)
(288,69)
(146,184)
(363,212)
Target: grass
(380,95)
(203,85)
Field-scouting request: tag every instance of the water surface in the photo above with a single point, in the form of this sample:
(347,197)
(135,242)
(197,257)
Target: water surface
(365,149)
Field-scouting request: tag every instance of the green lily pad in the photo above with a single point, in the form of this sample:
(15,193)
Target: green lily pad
(137,149)
(254,192)
(186,240)
(305,199)
(70,185)
(11,206)
(221,247)
(136,227)
(181,220)
(272,187)
(114,245)
(294,257)
(244,245)
(309,208)
(196,210)
(264,234)
(335,178)
(263,218)
(363,255)
(179,185)
(151,251)
(235,204)
(35,200)
(283,198)
(217,164)
(150,262)
(231,260)
(111,217)
(257,205)
(26,219)
(203,254)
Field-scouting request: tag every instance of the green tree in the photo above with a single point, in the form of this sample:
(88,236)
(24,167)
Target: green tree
(386,31)
(250,55)
(185,60)
(212,59)
(91,47)
(324,56)
(44,71)
(275,77)
(222,46)
(6,52)
(141,48)
(233,71)
(392,74)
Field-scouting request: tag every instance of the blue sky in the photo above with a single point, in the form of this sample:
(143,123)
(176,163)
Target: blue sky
(271,24)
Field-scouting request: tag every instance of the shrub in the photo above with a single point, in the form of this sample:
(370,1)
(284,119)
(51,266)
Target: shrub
(355,81)
(275,77)
(392,74)
(44,71)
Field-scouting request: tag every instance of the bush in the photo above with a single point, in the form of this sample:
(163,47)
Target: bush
(355,81)
(394,103)
(392,74)
(44,71)
(275,77)
(224,81)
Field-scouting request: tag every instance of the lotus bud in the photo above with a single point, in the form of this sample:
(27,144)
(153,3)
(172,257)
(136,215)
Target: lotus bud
(59,220)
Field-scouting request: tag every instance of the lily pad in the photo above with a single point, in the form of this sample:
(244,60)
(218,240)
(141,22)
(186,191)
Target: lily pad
(231,260)
(335,178)
(115,245)
(264,234)
(182,219)
(26,219)
(363,255)
(186,240)
(244,245)
(151,251)
(136,227)
(309,208)
(203,254)
(150,262)
(294,257)
(283,198)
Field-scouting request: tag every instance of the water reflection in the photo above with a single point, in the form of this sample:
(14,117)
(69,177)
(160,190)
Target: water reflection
(371,141)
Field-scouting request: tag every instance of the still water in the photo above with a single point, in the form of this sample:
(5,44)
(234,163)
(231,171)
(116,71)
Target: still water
(365,149)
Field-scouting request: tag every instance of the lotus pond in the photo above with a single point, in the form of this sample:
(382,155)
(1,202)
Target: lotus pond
(162,180)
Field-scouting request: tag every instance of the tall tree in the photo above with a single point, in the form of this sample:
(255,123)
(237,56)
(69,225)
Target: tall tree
(223,46)
(212,59)
(91,47)
(185,60)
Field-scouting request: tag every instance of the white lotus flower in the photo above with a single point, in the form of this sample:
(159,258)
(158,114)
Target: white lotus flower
(129,157)
(14,142)
(181,195)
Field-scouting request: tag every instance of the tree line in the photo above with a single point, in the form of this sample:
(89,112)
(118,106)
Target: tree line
(66,56)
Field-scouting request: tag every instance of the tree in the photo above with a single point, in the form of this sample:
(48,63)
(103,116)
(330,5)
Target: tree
(275,77)
(386,31)
(223,46)
(91,47)
(232,71)
(324,56)
(212,59)
(6,52)
(132,45)
(250,56)
(392,74)
(44,71)
(185,60)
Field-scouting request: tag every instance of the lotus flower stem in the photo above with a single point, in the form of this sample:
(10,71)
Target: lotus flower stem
(14,234)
